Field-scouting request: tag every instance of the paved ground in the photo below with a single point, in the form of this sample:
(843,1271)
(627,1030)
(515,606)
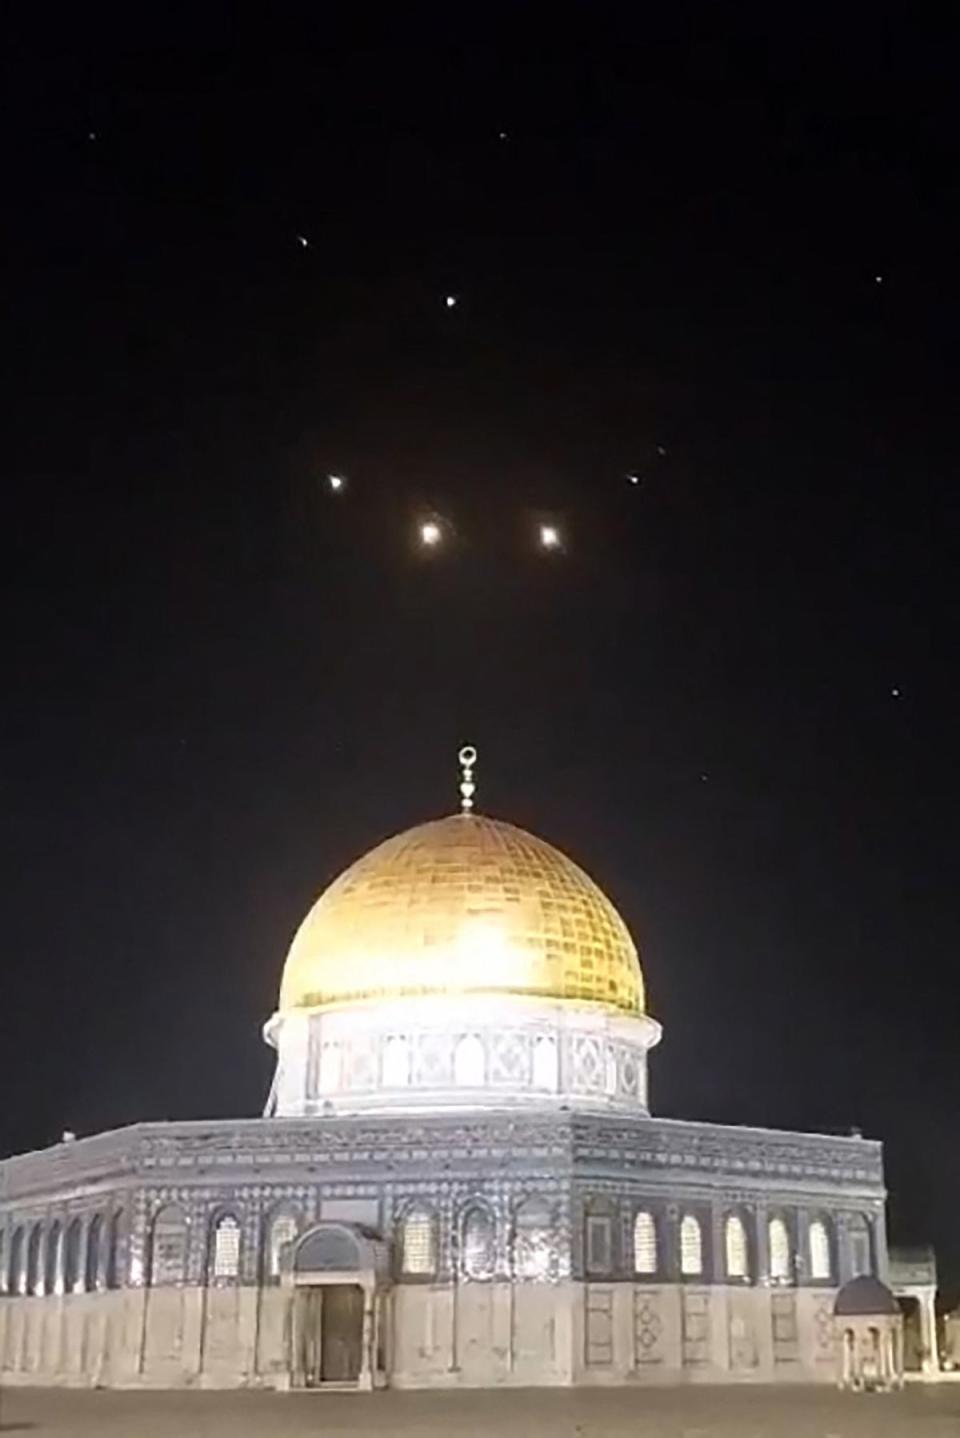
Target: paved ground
(920,1412)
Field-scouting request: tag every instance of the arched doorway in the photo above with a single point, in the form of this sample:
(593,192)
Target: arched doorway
(339,1276)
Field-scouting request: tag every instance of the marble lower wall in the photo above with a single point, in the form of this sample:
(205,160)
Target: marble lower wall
(599,1334)
(439,1336)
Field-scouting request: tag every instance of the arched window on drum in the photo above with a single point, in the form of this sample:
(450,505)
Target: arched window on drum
(396,1062)
(545,1063)
(469,1063)
(418,1242)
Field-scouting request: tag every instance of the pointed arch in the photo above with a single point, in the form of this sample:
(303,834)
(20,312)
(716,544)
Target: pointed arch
(781,1258)
(396,1062)
(34,1253)
(53,1259)
(282,1229)
(91,1267)
(859,1247)
(819,1246)
(331,1065)
(691,1246)
(16,1275)
(545,1067)
(533,1241)
(735,1247)
(469,1063)
(418,1241)
(644,1243)
(478,1245)
(114,1274)
(168,1246)
(72,1249)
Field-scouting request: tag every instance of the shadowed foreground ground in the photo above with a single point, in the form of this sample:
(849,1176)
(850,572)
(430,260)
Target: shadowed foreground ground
(920,1412)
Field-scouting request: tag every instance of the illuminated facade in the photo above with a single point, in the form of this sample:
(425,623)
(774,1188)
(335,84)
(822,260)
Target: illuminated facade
(457,1181)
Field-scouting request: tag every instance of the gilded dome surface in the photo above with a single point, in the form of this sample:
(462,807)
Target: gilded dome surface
(463,904)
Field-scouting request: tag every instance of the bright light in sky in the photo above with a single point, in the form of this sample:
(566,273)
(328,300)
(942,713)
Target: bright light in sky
(451,301)
(335,481)
(634,478)
(549,536)
(430,533)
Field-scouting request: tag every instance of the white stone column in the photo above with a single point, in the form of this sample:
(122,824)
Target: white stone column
(930,1358)
(368,1361)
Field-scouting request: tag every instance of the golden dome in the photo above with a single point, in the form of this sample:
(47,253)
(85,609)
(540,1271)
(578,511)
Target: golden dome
(463,904)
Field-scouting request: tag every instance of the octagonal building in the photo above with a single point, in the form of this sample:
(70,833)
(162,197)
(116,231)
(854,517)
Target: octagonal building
(457,1180)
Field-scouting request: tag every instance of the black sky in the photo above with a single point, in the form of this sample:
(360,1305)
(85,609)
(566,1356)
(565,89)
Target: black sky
(222,684)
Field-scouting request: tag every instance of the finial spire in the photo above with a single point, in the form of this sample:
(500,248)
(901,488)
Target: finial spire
(467,757)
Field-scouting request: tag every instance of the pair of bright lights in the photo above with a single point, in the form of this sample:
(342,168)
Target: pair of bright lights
(431,535)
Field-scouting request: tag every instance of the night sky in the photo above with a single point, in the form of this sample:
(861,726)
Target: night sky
(731,695)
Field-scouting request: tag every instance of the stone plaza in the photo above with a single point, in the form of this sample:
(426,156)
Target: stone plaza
(921,1411)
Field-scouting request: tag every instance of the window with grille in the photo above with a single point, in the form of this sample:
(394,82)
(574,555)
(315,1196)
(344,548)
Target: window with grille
(735,1241)
(644,1243)
(691,1246)
(779,1240)
(419,1243)
(819,1242)
(478,1244)
(226,1248)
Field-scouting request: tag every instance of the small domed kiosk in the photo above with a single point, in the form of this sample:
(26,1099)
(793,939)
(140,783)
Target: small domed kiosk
(869,1333)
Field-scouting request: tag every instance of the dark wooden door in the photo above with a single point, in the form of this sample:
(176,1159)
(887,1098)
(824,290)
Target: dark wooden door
(342,1333)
